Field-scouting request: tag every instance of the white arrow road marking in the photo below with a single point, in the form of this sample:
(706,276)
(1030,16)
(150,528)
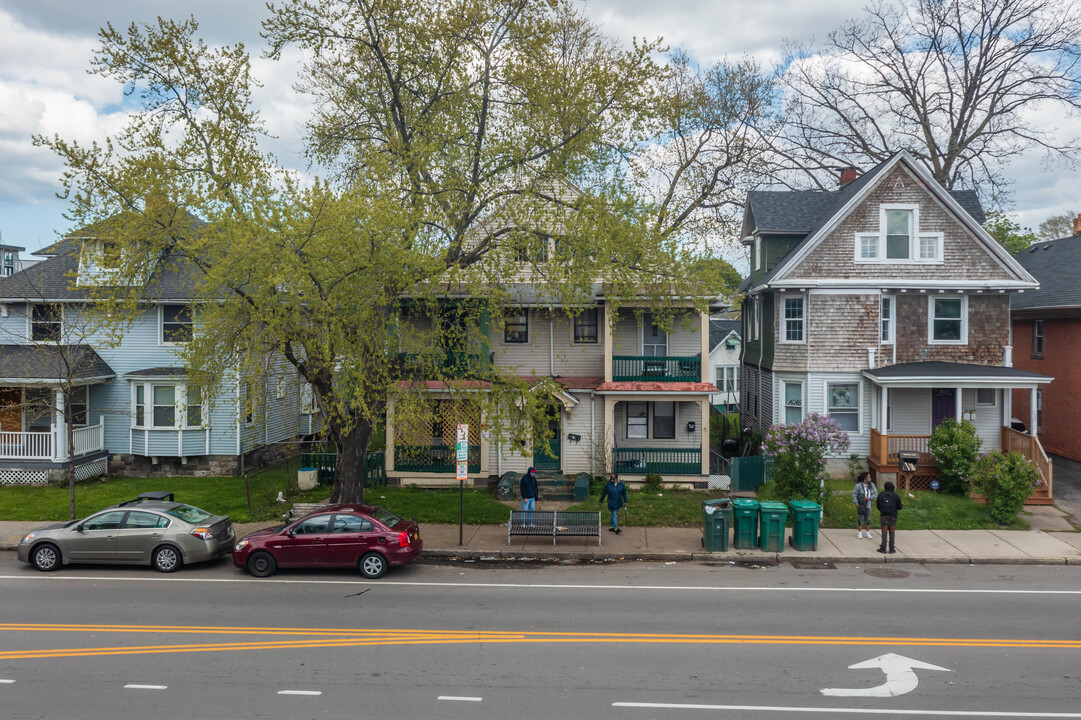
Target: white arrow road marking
(300,692)
(460,698)
(145,687)
(900,677)
(6,682)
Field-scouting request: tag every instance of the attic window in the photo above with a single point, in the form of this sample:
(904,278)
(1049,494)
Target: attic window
(898,239)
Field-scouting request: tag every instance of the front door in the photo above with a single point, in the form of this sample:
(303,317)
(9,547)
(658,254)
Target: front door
(943,405)
(305,545)
(549,460)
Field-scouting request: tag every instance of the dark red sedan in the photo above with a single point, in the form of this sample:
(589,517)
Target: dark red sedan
(366,537)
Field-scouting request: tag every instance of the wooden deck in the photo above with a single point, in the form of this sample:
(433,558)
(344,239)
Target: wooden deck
(885,449)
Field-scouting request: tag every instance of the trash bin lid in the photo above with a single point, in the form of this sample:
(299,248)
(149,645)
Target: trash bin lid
(722,502)
(804,505)
(745,503)
(770,506)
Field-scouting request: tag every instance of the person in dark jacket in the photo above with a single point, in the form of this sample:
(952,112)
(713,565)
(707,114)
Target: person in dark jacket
(888,504)
(616,492)
(528,491)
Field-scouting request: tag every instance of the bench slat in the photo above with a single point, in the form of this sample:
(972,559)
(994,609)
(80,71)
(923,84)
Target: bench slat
(557,523)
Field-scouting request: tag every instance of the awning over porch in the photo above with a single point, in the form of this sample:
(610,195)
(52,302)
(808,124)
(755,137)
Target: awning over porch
(928,374)
(52,365)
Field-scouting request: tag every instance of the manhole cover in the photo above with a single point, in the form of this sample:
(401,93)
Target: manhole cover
(812,565)
(888,573)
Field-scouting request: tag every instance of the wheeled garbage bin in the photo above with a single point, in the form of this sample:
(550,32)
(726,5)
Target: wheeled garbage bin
(745,523)
(805,517)
(716,516)
(771,532)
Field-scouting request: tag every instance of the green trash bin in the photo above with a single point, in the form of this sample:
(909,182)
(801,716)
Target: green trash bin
(716,517)
(805,517)
(745,523)
(771,532)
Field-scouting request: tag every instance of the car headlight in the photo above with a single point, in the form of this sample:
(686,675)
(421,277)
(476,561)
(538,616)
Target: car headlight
(240,545)
(28,537)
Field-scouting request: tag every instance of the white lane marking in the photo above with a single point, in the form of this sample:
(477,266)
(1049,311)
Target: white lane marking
(300,692)
(847,711)
(900,672)
(549,586)
(6,682)
(145,687)
(460,698)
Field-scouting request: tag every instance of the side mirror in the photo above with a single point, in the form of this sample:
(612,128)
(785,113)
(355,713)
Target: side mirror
(79,528)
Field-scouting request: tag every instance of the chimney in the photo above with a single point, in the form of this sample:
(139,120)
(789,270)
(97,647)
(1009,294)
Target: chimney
(849,174)
(1077,225)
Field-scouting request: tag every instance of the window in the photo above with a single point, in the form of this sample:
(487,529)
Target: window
(140,405)
(194,406)
(843,405)
(9,263)
(78,406)
(985,396)
(928,247)
(517,328)
(887,312)
(654,338)
(312,526)
(728,378)
(532,250)
(793,319)
(664,420)
(144,520)
(1037,338)
(249,402)
(106,521)
(279,390)
(793,402)
(948,319)
(637,420)
(176,323)
(758,253)
(164,412)
(585,327)
(898,234)
(307,399)
(46,323)
(757,320)
(40,405)
(867,246)
(351,524)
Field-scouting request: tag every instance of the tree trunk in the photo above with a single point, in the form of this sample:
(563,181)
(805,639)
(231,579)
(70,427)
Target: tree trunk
(70,466)
(351,473)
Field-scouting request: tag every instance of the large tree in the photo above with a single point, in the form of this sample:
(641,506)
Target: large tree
(472,150)
(964,85)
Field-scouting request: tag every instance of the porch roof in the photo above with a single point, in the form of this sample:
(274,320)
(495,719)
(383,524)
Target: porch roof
(657,387)
(927,374)
(158,372)
(48,364)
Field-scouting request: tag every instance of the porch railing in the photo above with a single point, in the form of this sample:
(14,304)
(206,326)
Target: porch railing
(1030,447)
(662,461)
(448,364)
(638,368)
(26,445)
(433,458)
(885,448)
(89,439)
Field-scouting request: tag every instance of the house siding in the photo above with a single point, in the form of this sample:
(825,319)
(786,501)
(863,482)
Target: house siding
(988,331)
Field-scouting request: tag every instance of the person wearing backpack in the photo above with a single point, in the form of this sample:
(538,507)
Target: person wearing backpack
(888,504)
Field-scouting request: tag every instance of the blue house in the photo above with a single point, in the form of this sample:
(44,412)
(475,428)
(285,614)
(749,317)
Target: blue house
(132,406)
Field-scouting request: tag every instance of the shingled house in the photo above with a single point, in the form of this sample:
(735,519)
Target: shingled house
(886,306)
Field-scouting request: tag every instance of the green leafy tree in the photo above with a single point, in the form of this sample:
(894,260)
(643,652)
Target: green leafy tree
(457,140)
(955,447)
(1056,226)
(1005,480)
(1007,233)
(798,453)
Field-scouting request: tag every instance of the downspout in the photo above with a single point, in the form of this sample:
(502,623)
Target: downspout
(593,433)
(551,343)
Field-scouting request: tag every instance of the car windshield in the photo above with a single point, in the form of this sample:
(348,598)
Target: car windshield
(385,516)
(187,513)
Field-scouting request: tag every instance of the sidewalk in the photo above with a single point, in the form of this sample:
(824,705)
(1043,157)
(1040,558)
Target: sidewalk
(1052,545)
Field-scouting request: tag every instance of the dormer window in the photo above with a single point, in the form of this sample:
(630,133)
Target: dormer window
(899,239)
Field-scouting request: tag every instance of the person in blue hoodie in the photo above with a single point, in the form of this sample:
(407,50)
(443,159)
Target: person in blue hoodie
(616,492)
(528,491)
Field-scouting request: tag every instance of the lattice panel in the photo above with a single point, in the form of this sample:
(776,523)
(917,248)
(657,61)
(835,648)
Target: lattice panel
(719,482)
(24,477)
(92,469)
(919,482)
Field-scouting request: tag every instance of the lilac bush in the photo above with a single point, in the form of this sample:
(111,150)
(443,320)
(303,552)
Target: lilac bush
(798,454)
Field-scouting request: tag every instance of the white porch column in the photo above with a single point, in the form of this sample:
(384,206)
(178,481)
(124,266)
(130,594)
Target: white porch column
(388,460)
(883,418)
(60,429)
(1032,429)
(609,432)
(958,407)
(607,320)
(1007,406)
(704,405)
(705,348)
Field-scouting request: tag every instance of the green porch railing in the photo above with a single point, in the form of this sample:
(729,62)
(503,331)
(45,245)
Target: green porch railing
(433,458)
(326,463)
(661,368)
(662,461)
(448,364)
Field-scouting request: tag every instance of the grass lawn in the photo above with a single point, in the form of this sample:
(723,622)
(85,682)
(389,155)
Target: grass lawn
(668,508)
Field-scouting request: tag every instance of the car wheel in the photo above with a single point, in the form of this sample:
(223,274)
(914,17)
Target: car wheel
(46,557)
(373,565)
(261,564)
(166,559)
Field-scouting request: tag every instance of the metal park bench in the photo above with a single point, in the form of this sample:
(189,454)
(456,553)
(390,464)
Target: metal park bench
(299,510)
(555,524)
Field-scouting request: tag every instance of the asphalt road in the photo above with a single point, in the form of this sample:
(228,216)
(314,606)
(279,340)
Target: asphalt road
(633,641)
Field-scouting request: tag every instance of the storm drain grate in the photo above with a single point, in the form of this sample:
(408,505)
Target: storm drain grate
(888,573)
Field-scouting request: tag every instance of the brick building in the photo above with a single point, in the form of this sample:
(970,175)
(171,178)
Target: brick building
(885,305)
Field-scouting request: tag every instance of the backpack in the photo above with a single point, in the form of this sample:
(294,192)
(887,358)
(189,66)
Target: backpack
(887,503)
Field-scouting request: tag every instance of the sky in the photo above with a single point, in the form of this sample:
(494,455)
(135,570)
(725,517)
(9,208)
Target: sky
(46,45)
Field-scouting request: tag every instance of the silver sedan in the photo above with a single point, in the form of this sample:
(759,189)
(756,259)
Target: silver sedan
(165,535)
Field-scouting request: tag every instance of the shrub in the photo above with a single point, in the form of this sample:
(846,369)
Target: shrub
(799,452)
(955,446)
(1005,480)
(653,483)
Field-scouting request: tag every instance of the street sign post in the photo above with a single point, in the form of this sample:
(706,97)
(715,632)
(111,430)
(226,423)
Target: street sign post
(461,473)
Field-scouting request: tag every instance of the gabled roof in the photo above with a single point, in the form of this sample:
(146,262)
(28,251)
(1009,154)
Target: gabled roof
(1056,264)
(51,364)
(721,329)
(796,212)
